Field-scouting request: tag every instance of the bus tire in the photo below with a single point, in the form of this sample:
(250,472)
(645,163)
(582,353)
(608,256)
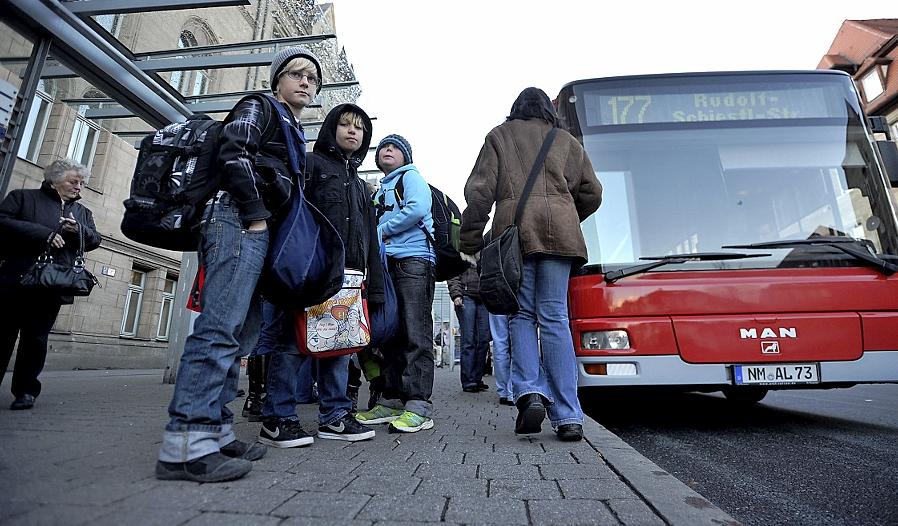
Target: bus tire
(745,395)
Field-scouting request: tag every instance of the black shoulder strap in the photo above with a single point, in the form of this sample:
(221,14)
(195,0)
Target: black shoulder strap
(399,190)
(537,166)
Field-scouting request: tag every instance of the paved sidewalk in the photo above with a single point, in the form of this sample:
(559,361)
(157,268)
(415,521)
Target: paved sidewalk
(85,455)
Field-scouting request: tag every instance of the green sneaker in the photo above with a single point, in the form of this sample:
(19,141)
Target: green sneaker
(409,422)
(378,415)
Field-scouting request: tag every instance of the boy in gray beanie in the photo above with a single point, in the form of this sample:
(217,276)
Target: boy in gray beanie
(199,443)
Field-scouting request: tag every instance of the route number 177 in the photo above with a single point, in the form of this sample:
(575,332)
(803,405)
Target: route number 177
(625,107)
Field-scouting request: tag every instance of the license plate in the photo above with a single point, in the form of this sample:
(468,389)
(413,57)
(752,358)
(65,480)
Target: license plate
(779,374)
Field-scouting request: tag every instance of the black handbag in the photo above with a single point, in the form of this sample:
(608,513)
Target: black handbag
(501,261)
(64,280)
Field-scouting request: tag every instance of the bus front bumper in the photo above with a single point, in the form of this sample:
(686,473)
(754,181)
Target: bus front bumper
(671,370)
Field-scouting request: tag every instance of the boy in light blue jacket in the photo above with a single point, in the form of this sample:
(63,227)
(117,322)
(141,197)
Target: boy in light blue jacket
(404,219)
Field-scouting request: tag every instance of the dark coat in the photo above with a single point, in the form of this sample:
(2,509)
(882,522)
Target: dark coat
(465,284)
(252,151)
(27,220)
(334,187)
(566,190)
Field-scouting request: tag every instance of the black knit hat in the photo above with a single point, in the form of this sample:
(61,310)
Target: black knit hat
(284,56)
(397,141)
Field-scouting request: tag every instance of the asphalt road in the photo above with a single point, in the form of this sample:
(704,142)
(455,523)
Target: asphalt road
(796,458)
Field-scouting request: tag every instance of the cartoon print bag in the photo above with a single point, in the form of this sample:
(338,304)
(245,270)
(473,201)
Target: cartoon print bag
(338,326)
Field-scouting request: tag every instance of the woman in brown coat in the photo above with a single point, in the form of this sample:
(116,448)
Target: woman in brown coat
(544,369)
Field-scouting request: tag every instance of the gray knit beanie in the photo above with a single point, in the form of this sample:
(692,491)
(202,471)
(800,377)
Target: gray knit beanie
(282,57)
(399,142)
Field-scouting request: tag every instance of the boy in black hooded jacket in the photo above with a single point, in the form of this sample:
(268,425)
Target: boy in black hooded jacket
(332,185)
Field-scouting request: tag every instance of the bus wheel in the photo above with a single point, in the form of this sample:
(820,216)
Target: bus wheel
(745,395)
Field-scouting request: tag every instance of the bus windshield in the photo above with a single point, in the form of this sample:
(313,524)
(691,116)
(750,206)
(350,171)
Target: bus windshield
(690,163)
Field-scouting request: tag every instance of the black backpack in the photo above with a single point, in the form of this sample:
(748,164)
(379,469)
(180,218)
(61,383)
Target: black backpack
(177,172)
(446,232)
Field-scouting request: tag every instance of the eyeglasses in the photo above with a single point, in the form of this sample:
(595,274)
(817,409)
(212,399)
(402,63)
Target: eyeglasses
(298,75)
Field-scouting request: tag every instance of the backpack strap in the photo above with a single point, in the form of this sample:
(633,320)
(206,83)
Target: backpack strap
(537,166)
(399,189)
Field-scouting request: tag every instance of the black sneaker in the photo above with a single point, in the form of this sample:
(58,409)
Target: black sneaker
(213,467)
(347,428)
(252,408)
(505,401)
(482,386)
(244,450)
(284,433)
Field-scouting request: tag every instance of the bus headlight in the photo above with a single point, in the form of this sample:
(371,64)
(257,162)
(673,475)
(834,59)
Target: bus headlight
(605,340)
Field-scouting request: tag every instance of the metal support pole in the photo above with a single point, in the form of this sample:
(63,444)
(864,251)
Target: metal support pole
(10,147)
(182,319)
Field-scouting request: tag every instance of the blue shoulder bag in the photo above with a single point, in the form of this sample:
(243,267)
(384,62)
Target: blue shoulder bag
(305,259)
(384,316)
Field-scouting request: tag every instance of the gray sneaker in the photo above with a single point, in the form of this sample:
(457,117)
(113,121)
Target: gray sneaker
(213,467)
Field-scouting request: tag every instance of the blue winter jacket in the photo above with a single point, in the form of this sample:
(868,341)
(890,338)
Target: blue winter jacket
(401,220)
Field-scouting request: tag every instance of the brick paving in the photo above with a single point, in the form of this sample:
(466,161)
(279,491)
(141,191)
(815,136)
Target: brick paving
(85,455)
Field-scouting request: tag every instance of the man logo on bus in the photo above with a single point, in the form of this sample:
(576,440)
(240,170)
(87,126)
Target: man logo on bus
(767,332)
(768,347)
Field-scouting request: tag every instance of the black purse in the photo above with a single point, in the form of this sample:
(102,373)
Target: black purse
(501,260)
(64,280)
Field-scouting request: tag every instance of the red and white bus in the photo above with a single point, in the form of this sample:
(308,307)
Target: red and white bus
(746,239)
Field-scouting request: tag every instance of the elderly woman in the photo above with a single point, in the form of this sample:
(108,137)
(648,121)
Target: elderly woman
(543,364)
(29,220)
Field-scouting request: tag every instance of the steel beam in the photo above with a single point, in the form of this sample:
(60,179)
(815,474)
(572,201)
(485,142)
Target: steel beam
(199,57)
(102,7)
(90,56)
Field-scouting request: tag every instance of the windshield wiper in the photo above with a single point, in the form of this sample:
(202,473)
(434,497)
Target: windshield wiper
(675,259)
(855,248)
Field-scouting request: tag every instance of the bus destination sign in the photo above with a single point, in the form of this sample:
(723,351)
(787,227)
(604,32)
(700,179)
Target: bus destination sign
(634,106)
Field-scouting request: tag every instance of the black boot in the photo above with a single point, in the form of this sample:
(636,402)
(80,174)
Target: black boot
(257,372)
(531,413)
(353,393)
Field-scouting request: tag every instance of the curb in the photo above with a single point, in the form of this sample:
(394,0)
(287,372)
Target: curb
(672,500)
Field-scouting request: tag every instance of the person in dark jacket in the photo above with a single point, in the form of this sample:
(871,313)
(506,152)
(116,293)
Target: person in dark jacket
(29,221)
(473,320)
(544,367)
(333,186)
(199,443)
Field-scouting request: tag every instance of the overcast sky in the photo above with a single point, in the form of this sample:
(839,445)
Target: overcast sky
(444,73)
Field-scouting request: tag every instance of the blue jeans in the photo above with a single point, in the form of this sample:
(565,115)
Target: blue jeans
(475,341)
(543,300)
(290,374)
(501,355)
(408,359)
(200,420)
(275,336)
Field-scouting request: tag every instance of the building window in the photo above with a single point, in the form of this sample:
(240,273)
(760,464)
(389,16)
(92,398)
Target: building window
(165,310)
(111,23)
(83,144)
(872,84)
(133,301)
(189,83)
(895,131)
(35,126)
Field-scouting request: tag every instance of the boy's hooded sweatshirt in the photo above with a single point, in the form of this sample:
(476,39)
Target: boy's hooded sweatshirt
(401,225)
(334,187)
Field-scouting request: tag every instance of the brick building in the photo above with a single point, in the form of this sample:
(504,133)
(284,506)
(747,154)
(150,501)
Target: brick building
(127,322)
(868,49)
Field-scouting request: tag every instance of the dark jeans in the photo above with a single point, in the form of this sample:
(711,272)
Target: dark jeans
(408,367)
(474,320)
(30,318)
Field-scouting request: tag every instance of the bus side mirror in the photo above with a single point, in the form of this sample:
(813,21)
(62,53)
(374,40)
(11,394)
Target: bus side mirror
(888,152)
